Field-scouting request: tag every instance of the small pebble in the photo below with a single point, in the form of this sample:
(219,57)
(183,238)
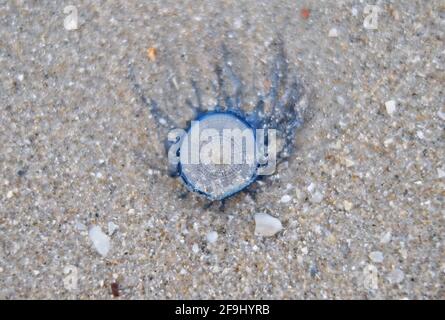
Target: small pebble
(152,53)
(349,163)
(386,237)
(395,14)
(370,277)
(396,276)
(305,13)
(333,33)
(347,205)
(285,199)
(10,194)
(115,289)
(388,142)
(341,101)
(440,173)
(300,259)
(311,187)
(376,256)
(317,197)
(112,227)
(238,23)
(101,241)
(195,248)
(266,225)
(403,253)
(390,107)
(212,236)
(354,11)
(80,226)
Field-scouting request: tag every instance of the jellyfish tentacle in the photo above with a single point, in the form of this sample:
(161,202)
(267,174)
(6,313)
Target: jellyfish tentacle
(224,100)
(256,117)
(291,116)
(279,76)
(159,115)
(190,104)
(234,78)
(198,108)
(162,120)
(198,97)
(290,100)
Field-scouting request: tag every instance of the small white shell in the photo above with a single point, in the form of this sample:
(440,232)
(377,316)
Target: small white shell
(266,225)
(101,241)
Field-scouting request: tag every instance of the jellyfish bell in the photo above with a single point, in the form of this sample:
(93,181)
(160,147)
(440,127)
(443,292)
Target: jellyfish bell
(217,155)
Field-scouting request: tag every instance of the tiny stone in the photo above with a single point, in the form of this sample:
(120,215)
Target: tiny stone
(311,187)
(349,163)
(370,277)
(115,289)
(388,142)
(441,114)
(101,241)
(195,248)
(238,23)
(403,253)
(10,194)
(266,225)
(333,33)
(440,173)
(152,53)
(341,100)
(317,197)
(396,276)
(305,13)
(112,227)
(300,259)
(304,250)
(376,256)
(20,77)
(80,226)
(386,237)
(395,14)
(212,236)
(390,107)
(286,198)
(347,205)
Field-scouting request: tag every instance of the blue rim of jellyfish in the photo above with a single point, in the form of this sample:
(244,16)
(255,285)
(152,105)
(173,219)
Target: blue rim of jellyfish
(254,176)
